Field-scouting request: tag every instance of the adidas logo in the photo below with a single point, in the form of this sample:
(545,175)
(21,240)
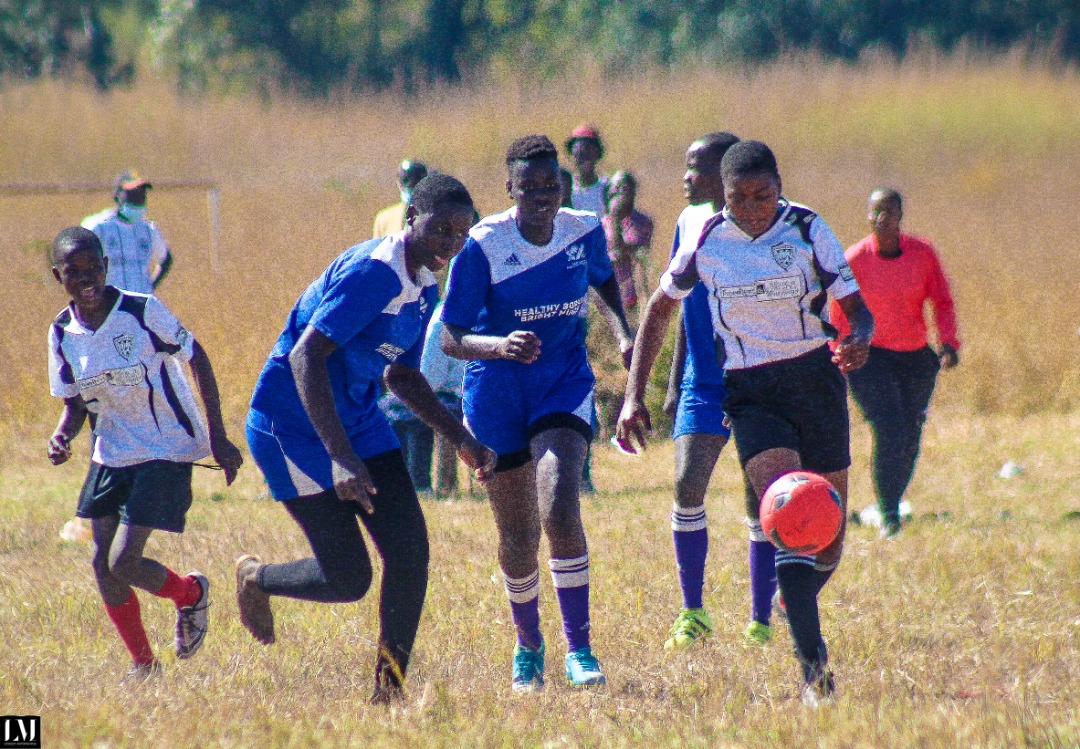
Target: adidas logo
(512,260)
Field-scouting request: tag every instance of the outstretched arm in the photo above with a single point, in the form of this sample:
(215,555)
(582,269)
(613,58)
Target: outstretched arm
(308,362)
(612,310)
(225,452)
(634,419)
(416,393)
(461,343)
(71,420)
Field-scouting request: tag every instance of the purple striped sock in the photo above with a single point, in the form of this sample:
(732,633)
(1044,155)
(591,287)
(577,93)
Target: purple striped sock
(524,595)
(691,537)
(762,573)
(571,578)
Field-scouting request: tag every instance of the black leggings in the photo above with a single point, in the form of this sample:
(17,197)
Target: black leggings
(893,391)
(340,571)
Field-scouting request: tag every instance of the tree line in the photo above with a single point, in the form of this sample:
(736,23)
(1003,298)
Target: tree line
(320,46)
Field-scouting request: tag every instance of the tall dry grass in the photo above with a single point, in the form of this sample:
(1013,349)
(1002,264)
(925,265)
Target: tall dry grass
(965,632)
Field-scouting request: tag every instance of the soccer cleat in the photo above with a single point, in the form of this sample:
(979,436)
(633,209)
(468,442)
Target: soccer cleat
(582,668)
(778,604)
(192,621)
(389,678)
(253,601)
(757,634)
(528,673)
(819,691)
(140,672)
(690,626)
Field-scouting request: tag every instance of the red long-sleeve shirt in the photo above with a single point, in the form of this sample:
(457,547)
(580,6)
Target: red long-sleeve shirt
(896,289)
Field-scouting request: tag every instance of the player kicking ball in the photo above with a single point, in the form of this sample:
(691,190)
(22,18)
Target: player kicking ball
(770,267)
(116,356)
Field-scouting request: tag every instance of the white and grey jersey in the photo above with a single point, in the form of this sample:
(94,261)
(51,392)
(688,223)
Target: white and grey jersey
(129,373)
(767,295)
(133,247)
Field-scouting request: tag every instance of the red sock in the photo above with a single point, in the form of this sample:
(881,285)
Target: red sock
(183,591)
(128,621)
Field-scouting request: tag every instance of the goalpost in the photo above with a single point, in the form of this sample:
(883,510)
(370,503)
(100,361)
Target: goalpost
(213,199)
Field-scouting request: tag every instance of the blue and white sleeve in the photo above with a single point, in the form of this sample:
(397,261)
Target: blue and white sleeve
(61,375)
(355,294)
(467,288)
(681,274)
(411,358)
(837,278)
(179,341)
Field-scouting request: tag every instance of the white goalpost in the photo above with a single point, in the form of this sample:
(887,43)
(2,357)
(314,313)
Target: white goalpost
(213,199)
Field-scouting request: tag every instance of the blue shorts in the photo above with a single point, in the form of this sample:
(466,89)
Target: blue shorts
(700,412)
(507,403)
(295,464)
(155,494)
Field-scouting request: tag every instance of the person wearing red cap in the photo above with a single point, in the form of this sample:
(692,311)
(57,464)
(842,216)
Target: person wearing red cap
(139,257)
(586,150)
(898,273)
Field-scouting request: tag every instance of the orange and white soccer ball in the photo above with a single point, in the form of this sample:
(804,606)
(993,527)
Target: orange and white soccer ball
(801,512)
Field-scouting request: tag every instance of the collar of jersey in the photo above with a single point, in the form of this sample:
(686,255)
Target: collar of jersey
(77,327)
(392,252)
(501,230)
(730,225)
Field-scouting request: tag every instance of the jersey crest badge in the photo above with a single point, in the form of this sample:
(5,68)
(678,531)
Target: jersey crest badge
(575,252)
(125,345)
(784,254)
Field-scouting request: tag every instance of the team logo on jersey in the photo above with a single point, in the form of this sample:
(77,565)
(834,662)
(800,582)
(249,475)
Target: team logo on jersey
(181,336)
(125,345)
(846,273)
(390,351)
(512,260)
(423,306)
(784,254)
(575,255)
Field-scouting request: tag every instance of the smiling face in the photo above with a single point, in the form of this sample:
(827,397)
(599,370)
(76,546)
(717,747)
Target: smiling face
(81,271)
(701,182)
(435,237)
(883,213)
(536,190)
(752,201)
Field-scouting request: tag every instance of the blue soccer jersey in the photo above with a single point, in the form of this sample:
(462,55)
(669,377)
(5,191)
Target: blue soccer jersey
(367,304)
(501,283)
(702,367)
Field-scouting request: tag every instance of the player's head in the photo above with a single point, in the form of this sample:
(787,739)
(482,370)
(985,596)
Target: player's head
(437,221)
(410,172)
(566,179)
(621,193)
(532,167)
(751,186)
(702,182)
(884,210)
(585,148)
(131,190)
(79,264)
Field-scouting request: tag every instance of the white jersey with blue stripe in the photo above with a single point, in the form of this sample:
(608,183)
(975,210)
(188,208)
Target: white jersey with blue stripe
(132,245)
(702,366)
(129,373)
(501,283)
(767,294)
(367,304)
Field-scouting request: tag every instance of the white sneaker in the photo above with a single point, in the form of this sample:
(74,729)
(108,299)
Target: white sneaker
(192,621)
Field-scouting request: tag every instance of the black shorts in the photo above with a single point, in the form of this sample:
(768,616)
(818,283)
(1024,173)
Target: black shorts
(799,403)
(155,494)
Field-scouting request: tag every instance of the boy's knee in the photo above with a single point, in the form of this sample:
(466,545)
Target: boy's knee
(352,585)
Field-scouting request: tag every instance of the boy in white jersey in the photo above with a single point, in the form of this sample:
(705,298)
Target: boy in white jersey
(139,258)
(515,308)
(115,356)
(770,267)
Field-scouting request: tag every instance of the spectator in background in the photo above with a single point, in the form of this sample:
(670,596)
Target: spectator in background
(391,220)
(586,150)
(566,179)
(139,258)
(898,273)
(629,236)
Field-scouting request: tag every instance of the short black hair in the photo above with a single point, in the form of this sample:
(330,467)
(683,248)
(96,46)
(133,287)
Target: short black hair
(716,144)
(440,190)
(73,239)
(531,148)
(891,195)
(748,157)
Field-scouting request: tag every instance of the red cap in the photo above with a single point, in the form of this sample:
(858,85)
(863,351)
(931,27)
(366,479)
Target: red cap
(583,131)
(131,179)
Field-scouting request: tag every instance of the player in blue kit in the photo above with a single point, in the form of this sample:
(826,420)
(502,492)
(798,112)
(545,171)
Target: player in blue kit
(770,267)
(326,449)
(515,308)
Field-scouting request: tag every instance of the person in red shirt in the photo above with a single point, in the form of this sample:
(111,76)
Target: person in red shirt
(629,235)
(898,273)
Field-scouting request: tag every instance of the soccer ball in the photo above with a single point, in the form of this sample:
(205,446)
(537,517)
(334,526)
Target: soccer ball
(801,512)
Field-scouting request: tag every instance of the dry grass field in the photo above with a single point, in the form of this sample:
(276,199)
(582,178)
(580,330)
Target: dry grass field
(964,632)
